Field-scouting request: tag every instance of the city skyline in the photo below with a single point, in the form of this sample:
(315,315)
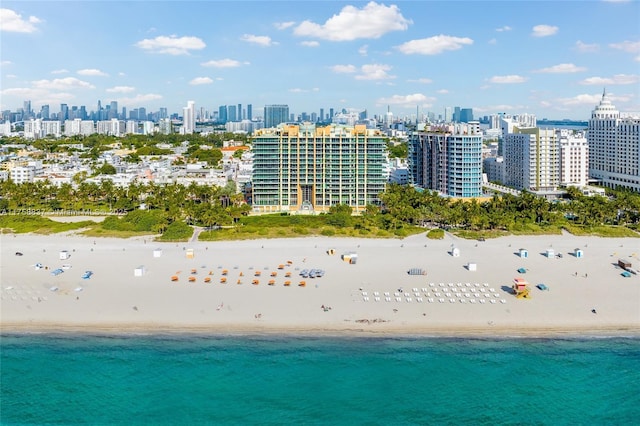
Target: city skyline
(551,59)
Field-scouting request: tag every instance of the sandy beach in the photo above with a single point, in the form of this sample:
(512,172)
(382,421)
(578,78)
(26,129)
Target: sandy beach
(376,295)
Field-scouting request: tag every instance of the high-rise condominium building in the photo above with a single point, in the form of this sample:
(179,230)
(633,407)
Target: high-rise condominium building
(275,114)
(532,159)
(309,168)
(189,118)
(574,158)
(447,159)
(614,146)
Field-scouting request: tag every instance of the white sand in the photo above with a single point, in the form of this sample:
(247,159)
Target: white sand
(114,300)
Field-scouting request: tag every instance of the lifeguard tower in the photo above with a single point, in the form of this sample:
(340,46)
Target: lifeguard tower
(520,288)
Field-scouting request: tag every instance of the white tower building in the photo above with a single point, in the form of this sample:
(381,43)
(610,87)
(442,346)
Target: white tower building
(614,146)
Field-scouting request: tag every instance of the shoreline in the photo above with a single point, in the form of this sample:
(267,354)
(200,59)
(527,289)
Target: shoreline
(120,330)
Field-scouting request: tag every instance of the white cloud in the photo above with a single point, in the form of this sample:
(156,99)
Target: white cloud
(42,95)
(421,80)
(544,30)
(11,76)
(309,43)
(13,22)
(343,69)
(561,69)
(259,40)
(581,100)
(92,72)
(200,80)
(372,21)
(507,79)
(171,45)
(442,91)
(616,1)
(363,50)
(139,99)
(434,45)
(121,74)
(374,72)
(284,25)
(62,84)
(222,63)
(503,29)
(5,63)
(299,90)
(493,41)
(60,71)
(121,89)
(627,46)
(416,99)
(586,48)
(608,81)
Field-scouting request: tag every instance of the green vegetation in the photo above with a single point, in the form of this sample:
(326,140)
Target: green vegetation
(38,224)
(177,231)
(435,234)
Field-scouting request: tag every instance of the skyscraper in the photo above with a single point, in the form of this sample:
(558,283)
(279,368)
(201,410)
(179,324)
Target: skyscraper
(249,112)
(614,146)
(275,114)
(532,159)
(222,114)
(189,118)
(239,117)
(232,113)
(309,168)
(447,159)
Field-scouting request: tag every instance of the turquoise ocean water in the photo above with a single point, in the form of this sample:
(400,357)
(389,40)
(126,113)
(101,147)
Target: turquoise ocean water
(188,379)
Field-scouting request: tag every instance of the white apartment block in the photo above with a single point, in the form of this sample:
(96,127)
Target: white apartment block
(614,147)
(532,159)
(131,127)
(574,158)
(22,174)
(35,129)
(113,127)
(79,127)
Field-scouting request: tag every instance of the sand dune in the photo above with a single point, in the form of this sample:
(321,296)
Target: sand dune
(374,295)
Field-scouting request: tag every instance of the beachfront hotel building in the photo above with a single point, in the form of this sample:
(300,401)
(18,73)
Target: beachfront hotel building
(304,168)
(447,159)
(532,159)
(614,147)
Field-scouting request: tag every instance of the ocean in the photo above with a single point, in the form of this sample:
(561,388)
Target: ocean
(281,380)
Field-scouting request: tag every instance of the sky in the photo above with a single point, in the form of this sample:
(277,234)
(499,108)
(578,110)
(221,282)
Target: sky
(548,58)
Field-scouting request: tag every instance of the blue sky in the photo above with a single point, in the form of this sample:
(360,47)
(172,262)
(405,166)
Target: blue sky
(549,58)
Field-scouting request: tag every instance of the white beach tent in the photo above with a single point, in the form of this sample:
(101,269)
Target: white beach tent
(157,252)
(139,271)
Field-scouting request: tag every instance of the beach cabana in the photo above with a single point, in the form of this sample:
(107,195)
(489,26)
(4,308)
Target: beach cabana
(157,252)
(64,254)
(455,252)
(578,253)
(190,254)
(416,271)
(524,253)
(139,271)
(550,253)
(472,266)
